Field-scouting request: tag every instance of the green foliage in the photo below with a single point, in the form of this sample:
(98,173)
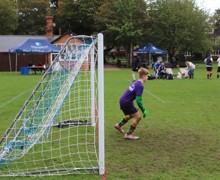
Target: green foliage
(8,17)
(32,15)
(216,19)
(127,28)
(179,24)
(76,16)
(122,22)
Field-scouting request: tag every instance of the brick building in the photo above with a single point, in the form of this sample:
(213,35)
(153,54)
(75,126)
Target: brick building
(19,60)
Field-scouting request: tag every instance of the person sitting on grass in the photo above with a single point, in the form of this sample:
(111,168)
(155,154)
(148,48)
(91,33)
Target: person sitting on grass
(134,92)
(161,71)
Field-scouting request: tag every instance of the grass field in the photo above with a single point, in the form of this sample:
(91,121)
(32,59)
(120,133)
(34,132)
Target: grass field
(180,137)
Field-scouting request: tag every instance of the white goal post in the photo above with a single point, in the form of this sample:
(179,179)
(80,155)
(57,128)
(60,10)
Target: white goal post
(60,128)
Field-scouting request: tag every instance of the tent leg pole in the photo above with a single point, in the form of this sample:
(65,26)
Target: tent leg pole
(10,62)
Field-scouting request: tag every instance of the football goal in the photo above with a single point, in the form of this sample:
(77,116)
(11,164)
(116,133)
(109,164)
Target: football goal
(60,128)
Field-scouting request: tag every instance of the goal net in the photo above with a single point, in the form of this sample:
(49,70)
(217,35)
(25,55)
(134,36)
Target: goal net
(60,128)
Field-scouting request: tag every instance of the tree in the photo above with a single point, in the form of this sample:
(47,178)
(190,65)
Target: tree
(216,17)
(122,22)
(179,24)
(8,17)
(32,15)
(216,20)
(76,16)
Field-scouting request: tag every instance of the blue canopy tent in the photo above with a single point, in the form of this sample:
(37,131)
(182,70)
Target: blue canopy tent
(34,46)
(150,49)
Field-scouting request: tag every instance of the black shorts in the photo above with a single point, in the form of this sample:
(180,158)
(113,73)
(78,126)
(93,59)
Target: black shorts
(209,68)
(129,110)
(218,70)
(135,68)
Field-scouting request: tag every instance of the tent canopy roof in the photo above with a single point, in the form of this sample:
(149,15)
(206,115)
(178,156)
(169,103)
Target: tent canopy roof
(149,49)
(40,46)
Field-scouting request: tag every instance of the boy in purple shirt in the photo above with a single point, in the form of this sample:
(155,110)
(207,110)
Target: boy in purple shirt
(134,92)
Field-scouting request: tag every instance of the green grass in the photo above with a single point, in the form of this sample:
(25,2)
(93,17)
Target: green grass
(180,137)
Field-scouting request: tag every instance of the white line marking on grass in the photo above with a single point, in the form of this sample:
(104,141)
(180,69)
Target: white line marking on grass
(14,98)
(156,97)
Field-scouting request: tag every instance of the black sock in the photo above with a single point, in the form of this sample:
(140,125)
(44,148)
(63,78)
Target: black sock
(218,76)
(131,130)
(123,122)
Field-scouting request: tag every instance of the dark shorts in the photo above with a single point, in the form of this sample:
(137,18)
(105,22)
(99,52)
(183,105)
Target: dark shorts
(129,110)
(209,68)
(218,70)
(135,68)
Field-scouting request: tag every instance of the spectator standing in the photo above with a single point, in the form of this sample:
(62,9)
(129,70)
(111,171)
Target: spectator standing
(159,59)
(218,70)
(135,65)
(208,61)
(191,67)
(113,56)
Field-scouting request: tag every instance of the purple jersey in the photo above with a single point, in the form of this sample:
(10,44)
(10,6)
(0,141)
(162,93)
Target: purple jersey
(135,89)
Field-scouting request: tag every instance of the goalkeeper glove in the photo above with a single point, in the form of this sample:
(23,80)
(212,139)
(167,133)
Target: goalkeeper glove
(144,113)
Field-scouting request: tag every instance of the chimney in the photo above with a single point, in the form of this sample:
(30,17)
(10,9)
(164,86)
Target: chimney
(49,25)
